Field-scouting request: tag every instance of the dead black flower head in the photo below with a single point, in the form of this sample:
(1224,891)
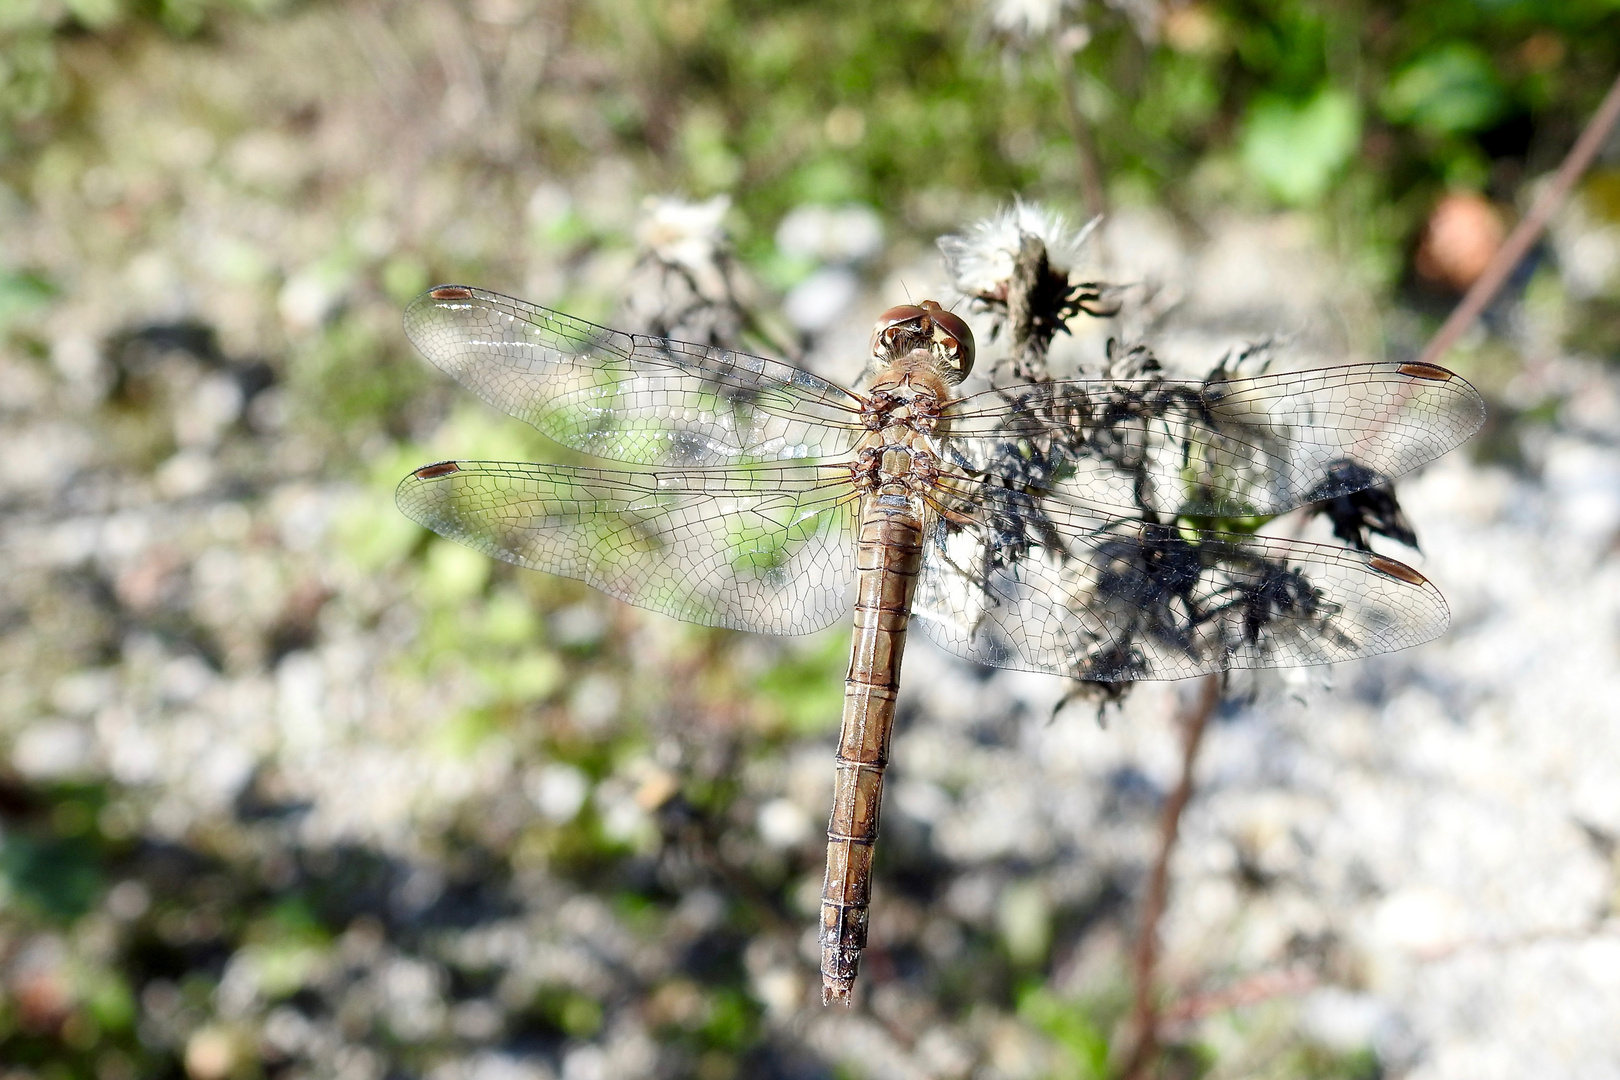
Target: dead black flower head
(1359,502)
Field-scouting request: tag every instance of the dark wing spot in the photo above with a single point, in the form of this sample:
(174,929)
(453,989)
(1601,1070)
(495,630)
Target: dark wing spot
(1432,372)
(433,472)
(1398,570)
(451,292)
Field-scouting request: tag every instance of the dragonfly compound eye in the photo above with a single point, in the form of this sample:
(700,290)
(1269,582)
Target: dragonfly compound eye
(951,333)
(892,325)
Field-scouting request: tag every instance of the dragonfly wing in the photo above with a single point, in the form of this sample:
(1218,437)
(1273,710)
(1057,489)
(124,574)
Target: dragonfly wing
(1039,587)
(770,549)
(630,397)
(1222,448)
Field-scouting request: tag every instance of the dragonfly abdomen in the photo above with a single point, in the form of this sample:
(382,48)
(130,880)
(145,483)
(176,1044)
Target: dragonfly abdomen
(889,556)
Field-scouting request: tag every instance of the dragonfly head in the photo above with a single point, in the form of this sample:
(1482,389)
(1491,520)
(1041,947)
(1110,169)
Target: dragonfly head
(904,330)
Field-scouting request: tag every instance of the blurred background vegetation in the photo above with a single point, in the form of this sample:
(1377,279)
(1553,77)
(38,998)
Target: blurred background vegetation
(298,790)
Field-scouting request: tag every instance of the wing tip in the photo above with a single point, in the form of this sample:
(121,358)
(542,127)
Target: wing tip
(442,294)
(437,470)
(1474,414)
(1419,632)
(411,493)
(1393,568)
(1428,372)
(433,298)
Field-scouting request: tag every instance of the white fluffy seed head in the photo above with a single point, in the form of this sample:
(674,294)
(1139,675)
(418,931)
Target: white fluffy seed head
(689,234)
(1026,19)
(981,259)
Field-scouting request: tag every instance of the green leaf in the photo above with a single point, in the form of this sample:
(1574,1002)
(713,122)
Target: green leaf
(530,677)
(1067,1024)
(709,158)
(453,572)
(1024,915)
(108,998)
(96,14)
(1296,149)
(1448,90)
(807,687)
(61,878)
(732,1020)
(21,294)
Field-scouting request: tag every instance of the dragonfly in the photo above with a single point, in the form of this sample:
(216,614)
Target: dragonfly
(1100,529)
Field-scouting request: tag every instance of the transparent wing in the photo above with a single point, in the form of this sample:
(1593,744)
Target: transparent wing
(630,397)
(1027,584)
(1224,448)
(768,549)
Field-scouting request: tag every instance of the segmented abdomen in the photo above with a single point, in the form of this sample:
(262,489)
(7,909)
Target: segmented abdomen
(888,559)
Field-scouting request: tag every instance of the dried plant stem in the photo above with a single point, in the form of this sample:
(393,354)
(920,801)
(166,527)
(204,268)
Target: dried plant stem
(1145,1016)
(1261,986)
(1085,143)
(1029,345)
(1145,1008)
(1529,229)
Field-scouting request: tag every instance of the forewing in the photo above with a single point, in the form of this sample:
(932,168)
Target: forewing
(768,549)
(1061,592)
(630,397)
(1228,448)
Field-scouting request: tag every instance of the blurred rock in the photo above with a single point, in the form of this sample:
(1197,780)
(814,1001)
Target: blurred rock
(558,791)
(211,1054)
(1463,232)
(783,824)
(53,749)
(830,234)
(815,302)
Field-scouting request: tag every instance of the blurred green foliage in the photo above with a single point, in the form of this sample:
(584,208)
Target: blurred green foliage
(1449,90)
(1077,1028)
(56,875)
(20,295)
(1297,149)
(1352,105)
(805,101)
(1363,108)
(806,689)
(910,106)
(51,859)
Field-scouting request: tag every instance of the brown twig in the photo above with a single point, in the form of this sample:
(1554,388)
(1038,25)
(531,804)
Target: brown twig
(1085,143)
(1261,986)
(1145,1013)
(1145,1009)
(1529,230)
(1524,939)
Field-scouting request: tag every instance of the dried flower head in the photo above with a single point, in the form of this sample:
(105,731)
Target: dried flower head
(681,233)
(1025,20)
(686,283)
(982,260)
(1018,267)
(1360,502)
(1021,23)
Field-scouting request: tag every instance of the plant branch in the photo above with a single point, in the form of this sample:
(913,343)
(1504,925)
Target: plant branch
(1261,986)
(1145,1008)
(1085,143)
(1529,229)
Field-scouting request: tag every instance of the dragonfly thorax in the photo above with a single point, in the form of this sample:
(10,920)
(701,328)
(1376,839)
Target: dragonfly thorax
(906,469)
